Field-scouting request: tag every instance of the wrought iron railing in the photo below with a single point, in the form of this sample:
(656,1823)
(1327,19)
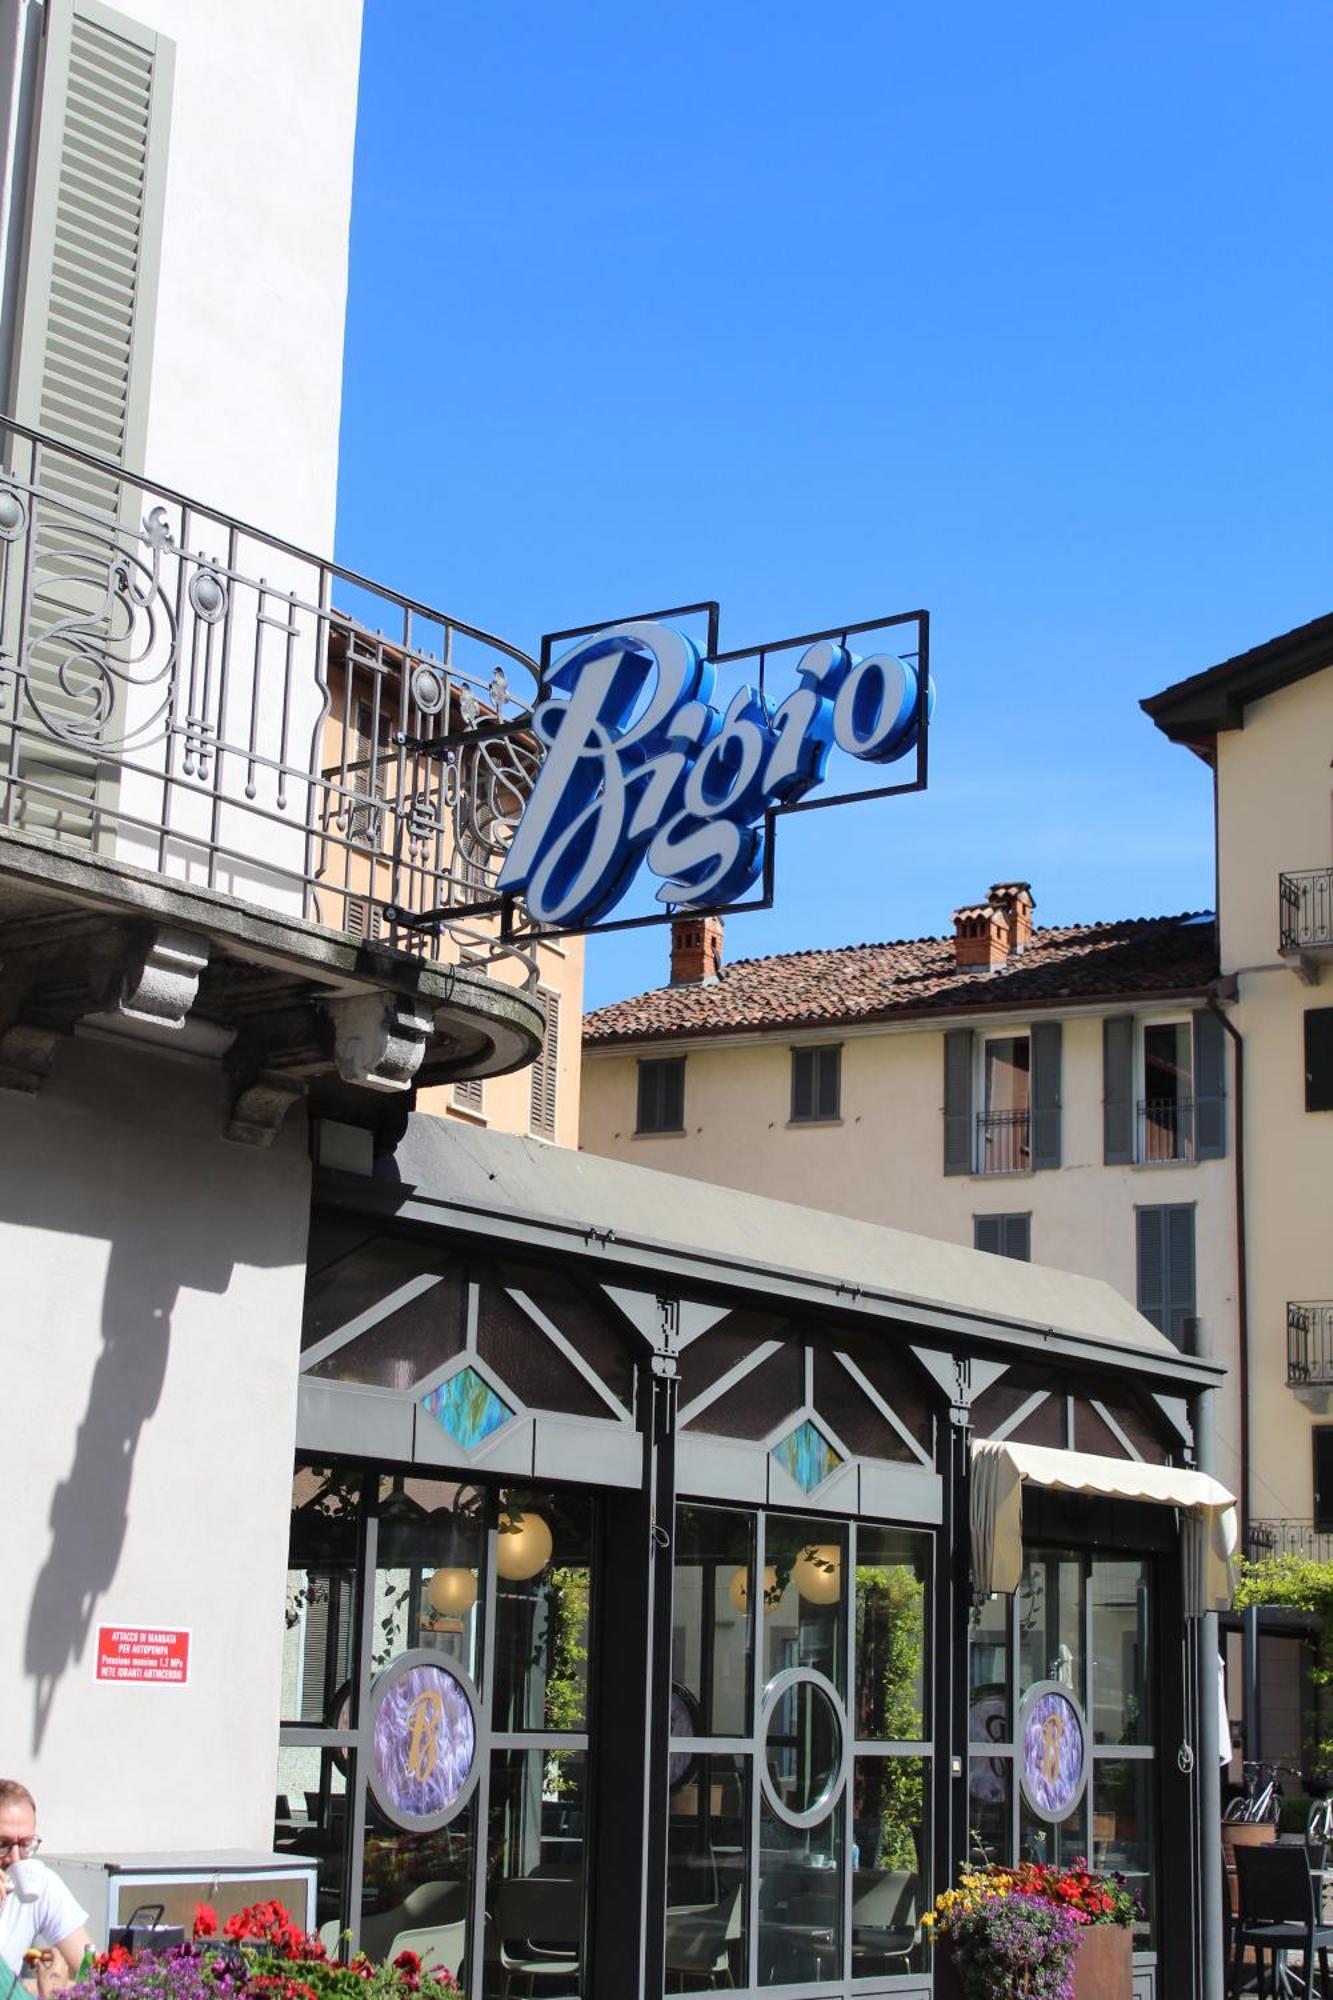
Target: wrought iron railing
(1166,1130)
(189,694)
(1003,1142)
(1289,1538)
(1310,1343)
(1305,909)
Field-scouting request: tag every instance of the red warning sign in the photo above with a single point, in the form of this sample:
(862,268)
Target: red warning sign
(143,1653)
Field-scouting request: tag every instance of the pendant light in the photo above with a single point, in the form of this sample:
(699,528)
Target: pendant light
(738,1590)
(817,1573)
(523,1546)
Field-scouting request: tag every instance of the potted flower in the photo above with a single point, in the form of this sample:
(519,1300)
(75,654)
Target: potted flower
(261,1955)
(1034,1932)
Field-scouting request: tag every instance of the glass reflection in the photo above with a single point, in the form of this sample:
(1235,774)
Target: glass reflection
(708,1833)
(534,1873)
(1050,1622)
(990,1786)
(988,1670)
(1059,1844)
(1120,1626)
(805,1626)
(712,1627)
(1123,1841)
(890,1864)
(800,1901)
(542,1608)
(892,1572)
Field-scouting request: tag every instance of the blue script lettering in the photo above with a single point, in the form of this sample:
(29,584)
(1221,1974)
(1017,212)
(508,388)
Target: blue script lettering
(639,765)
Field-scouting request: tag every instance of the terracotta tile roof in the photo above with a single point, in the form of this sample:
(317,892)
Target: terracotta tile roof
(1130,960)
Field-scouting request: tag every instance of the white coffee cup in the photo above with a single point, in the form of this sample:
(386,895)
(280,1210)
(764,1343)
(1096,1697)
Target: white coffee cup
(25,1879)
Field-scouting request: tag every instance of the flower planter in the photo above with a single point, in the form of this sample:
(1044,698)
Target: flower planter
(1103,1965)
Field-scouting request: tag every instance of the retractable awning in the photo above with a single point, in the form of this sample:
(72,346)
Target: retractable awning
(1208,1513)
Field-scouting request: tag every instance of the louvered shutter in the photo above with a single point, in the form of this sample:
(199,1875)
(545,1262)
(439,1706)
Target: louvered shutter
(1210,1111)
(1045,1119)
(958,1101)
(1151,1280)
(542,1106)
(988,1234)
(1180,1287)
(82,353)
(802,1085)
(1016,1239)
(1118,1090)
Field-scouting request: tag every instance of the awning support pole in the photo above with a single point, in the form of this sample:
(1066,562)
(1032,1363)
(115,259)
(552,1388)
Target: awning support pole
(1212,1969)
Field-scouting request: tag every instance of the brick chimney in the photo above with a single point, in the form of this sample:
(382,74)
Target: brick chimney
(696,950)
(1014,902)
(981,938)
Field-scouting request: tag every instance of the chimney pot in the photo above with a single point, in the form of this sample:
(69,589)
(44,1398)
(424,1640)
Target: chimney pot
(981,938)
(696,950)
(1014,902)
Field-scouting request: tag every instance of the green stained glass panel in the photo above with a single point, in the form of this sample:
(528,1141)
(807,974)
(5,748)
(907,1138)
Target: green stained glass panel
(467,1407)
(807,1455)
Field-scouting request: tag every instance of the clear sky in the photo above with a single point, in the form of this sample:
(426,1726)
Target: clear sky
(1019,313)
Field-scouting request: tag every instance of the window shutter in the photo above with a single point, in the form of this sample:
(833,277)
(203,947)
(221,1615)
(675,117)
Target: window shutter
(470,1094)
(828,1063)
(542,1106)
(82,345)
(1151,1282)
(1118,1091)
(1322,1437)
(958,1148)
(1180,1288)
(1045,1120)
(1016,1237)
(988,1233)
(1319,1060)
(1210,1111)
(802,1084)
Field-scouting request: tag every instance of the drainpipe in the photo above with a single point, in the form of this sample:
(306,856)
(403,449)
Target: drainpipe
(1242,1277)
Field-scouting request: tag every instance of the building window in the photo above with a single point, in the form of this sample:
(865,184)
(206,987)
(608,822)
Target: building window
(1003,1141)
(1319,1058)
(1003,1235)
(1002,1100)
(1166,1109)
(1322,1436)
(470,1095)
(816,1083)
(1163,1090)
(541,1106)
(661,1095)
(1166,1265)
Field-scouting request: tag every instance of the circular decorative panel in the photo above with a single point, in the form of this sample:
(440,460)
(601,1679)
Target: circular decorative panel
(804,1758)
(423,1740)
(1054,1739)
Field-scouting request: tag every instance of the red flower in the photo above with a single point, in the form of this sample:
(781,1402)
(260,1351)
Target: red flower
(205,1920)
(408,1961)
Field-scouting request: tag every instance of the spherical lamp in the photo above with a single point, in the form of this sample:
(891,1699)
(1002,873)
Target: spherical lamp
(452,1591)
(738,1590)
(817,1573)
(523,1546)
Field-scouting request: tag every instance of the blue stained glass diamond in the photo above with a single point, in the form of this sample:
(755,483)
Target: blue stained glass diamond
(807,1455)
(467,1407)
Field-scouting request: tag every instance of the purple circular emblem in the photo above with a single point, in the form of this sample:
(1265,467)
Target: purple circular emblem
(1055,1754)
(424,1744)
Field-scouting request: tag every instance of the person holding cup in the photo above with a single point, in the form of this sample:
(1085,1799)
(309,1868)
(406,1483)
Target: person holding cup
(34,1903)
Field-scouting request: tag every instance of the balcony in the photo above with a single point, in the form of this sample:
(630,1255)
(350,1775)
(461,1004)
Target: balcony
(227,767)
(1305,919)
(1289,1538)
(1003,1142)
(1166,1131)
(1310,1349)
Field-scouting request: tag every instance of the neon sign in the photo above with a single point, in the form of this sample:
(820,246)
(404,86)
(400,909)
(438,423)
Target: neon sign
(641,767)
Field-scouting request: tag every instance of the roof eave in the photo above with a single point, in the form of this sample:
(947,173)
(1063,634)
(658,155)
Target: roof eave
(1196,710)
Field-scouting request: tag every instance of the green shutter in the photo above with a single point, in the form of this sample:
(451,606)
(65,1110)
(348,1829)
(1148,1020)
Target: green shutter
(1151,1281)
(988,1234)
(1017,1237)
(1045,1117)
(802,1085)
(1210,1111)
(958,1138)
(1118,1091)
(542,1101)
(1180,1287)
(82,353)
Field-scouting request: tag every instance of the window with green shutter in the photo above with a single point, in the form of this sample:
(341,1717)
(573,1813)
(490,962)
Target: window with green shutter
(1003,1235)
(544,1072)
(661,1106)
(1165,1292)
(816,1083)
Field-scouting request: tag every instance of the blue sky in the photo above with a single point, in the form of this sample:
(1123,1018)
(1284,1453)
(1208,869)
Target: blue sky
(1021,314)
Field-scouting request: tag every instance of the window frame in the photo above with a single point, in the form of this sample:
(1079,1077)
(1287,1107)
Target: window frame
(1006,1218)
(1017,1146)
(817,1054)
(1324,1083)
(1185,1136)
(659,1065)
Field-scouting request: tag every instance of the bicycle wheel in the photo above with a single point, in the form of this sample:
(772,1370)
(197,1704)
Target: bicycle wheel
(1233,1812)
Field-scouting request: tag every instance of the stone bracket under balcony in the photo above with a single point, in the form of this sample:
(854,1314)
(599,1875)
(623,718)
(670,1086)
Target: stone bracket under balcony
(291,1009)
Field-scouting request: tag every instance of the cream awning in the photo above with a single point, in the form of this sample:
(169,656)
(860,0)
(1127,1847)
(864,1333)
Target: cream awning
(1208,1513)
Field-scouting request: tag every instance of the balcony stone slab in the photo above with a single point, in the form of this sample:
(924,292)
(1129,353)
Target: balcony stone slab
(92,945)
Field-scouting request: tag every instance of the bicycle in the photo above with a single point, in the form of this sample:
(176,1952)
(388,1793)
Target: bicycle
(1261,1802)
(1319,1822)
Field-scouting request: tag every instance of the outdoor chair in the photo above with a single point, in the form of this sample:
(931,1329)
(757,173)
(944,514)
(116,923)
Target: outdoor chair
(884,1917)
(699,1943)
(436,1945)
(536,1923)
(1277,1915)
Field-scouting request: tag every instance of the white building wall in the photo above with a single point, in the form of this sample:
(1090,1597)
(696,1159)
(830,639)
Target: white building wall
(153,1282)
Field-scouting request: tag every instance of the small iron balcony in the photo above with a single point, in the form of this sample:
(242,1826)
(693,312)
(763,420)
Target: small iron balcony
(1003,1142)
(1310,1343)
(1305,913)
(1289,1538)
(1166,1130)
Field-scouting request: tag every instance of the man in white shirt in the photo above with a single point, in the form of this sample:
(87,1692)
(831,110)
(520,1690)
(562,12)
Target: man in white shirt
(52,1914)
